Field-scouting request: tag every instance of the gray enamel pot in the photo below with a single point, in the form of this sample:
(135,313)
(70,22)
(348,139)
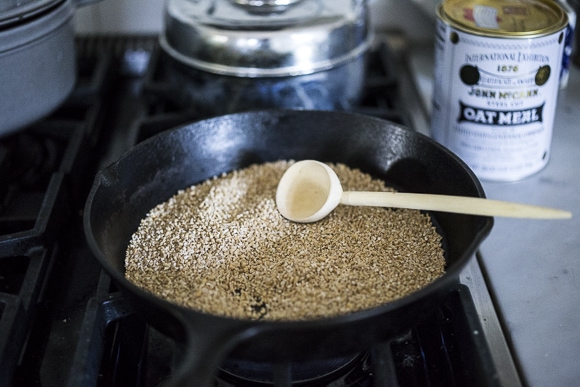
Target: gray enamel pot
(37,60)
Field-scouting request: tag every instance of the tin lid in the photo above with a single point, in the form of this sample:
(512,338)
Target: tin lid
(265,38)
(505,18)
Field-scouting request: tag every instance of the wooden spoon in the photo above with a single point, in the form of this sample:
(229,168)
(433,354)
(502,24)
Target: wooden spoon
(309,190)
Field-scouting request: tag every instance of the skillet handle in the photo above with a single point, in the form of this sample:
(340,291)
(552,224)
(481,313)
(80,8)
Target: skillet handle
(207,344)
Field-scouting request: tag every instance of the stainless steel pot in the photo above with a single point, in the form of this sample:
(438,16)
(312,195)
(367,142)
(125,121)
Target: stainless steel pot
(234,55)
(37,60)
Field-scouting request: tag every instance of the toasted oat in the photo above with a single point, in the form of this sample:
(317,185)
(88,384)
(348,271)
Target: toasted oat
(221,247)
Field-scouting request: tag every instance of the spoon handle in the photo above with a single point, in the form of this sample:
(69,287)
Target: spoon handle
(449,203)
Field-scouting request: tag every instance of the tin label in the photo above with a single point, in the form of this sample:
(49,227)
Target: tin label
(494,100)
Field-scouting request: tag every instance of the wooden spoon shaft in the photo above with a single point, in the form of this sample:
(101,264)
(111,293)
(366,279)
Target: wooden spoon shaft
(449,203)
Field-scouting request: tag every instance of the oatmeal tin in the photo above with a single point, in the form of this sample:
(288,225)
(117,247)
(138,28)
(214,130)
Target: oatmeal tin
(497,67)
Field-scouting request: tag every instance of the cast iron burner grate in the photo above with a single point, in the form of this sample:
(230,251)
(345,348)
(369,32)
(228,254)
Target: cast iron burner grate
(446,350)
(62,321)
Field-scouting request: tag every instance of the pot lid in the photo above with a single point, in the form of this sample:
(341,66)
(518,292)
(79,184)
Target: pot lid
(16,11)
(265,38)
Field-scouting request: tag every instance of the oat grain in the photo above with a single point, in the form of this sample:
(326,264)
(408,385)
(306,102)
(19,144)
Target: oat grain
(222,247)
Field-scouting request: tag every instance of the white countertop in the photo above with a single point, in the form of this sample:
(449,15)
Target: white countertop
(533,266)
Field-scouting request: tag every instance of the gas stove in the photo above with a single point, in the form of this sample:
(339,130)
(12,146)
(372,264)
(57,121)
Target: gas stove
(64,323)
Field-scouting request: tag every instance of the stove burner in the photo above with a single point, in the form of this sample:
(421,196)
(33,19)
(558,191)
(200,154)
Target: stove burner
(27,161)
(344,371)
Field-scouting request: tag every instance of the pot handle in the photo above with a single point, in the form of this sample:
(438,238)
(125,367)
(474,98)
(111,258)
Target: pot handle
(207,344)
(82,3)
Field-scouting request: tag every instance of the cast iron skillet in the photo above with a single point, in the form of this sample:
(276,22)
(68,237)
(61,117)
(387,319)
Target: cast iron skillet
(154,170)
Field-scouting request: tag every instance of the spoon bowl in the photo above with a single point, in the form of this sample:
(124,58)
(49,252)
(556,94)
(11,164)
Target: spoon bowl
(310,190)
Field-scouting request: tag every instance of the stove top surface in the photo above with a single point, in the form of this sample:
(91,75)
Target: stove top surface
(62,320)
